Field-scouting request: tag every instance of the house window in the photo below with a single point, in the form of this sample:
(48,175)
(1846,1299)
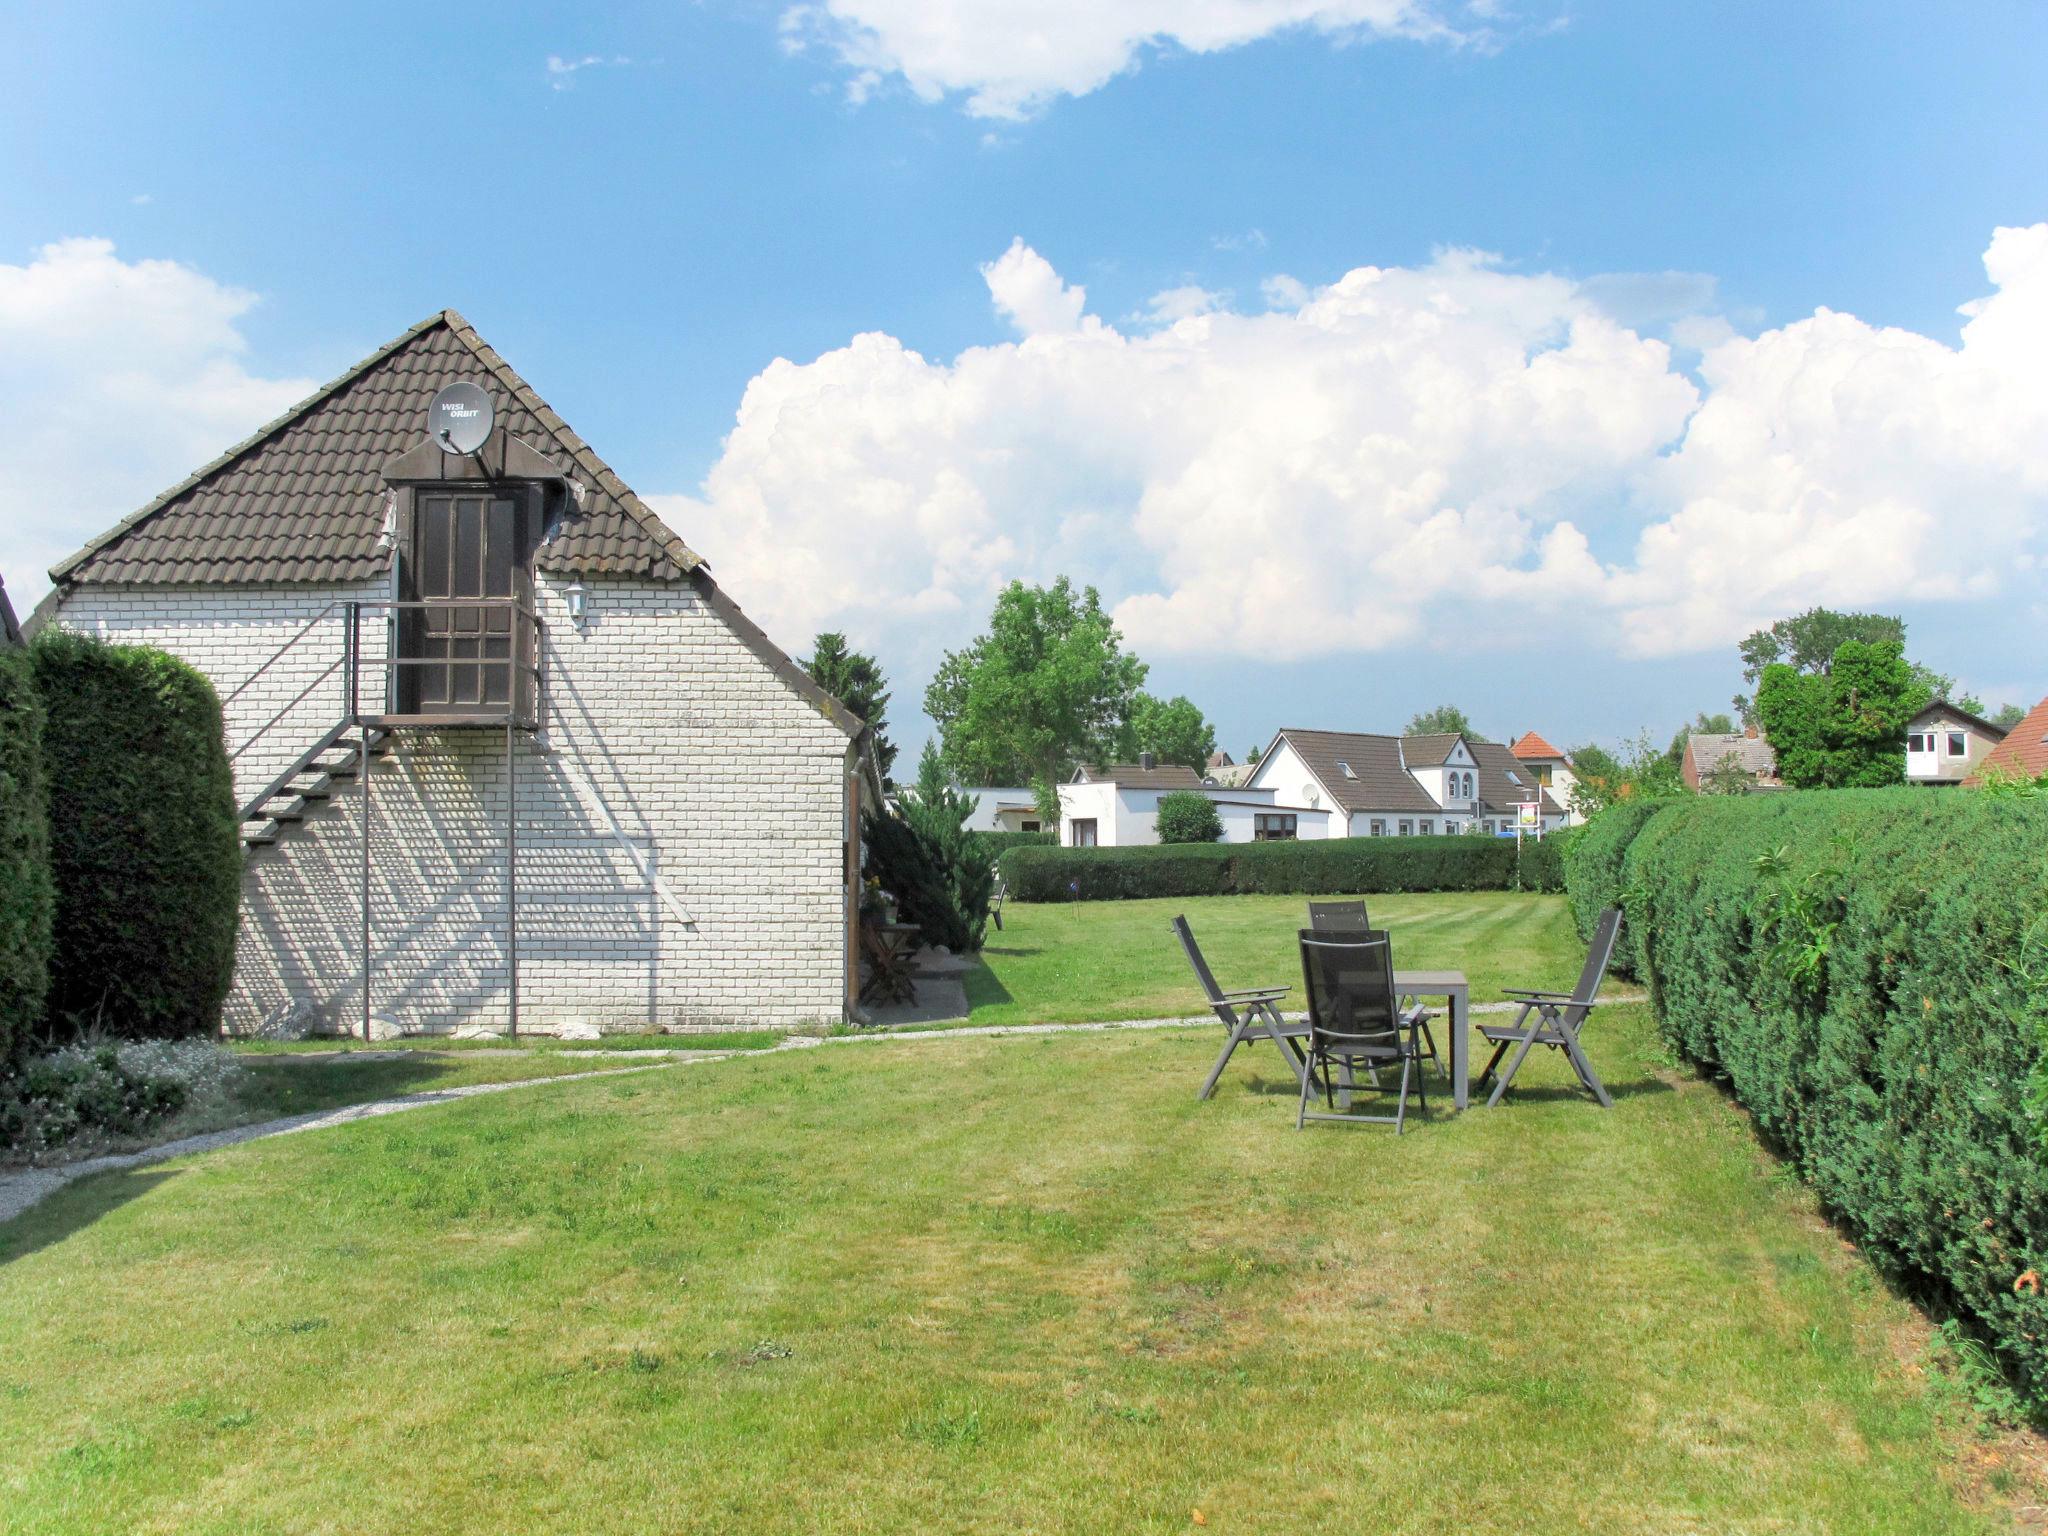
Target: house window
(1379,829)
(1428,829)
(1407,829)
(1345,769)
(1957,746)
(1083,833)
(1920,741)
(1028,826)
(1542,777)
(1273,827)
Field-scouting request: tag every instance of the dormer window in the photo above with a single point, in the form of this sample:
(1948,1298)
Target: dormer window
(1345,769)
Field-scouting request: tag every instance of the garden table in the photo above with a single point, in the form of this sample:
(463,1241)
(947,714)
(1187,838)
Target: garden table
(1452,986)
(891,953)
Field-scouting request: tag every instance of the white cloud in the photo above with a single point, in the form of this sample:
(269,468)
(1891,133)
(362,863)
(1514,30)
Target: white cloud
(562,72)
(1449,455)
(117,379)
(1012,57)
(1182,303)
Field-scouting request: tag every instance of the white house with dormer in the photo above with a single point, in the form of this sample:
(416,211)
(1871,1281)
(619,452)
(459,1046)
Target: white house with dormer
(1945,744)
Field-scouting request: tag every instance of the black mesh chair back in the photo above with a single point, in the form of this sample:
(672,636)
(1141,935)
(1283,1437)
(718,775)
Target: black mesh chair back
(1194,951)
(1598,954)
(1328,917)
(1350,982)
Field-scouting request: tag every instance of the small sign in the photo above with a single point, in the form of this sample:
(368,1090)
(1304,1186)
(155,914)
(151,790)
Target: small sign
(460,418)
(1529,816)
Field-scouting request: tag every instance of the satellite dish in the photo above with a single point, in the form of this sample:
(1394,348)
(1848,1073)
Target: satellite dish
(1308,793)
(460,418)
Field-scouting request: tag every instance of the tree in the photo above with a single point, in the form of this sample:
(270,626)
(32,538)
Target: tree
(855,680)
(1172,730)
(1188,817)
(1703,724)
(1641,771)
(1046,687)
(1807,643)
(1252,757)
(1845,727)
(1445,719)
(940,873)
(2008,716)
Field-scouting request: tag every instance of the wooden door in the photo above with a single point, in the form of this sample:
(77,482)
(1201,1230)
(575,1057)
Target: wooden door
(462,655)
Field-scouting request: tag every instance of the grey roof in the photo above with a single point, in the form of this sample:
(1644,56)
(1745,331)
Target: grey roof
(303,499)
(1430,751)
(1752,754)
(1133,776)
(1377,781)
(1498,793)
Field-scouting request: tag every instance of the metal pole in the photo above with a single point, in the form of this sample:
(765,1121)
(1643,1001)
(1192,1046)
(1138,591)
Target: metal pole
(363,777)
(511,876)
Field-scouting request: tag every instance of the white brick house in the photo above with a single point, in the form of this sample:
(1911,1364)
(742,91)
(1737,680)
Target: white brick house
(686,818)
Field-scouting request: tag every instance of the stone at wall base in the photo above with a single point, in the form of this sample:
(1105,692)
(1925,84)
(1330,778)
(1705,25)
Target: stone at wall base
(578,1029)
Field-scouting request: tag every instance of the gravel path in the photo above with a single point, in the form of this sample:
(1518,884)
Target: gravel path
(20,1191)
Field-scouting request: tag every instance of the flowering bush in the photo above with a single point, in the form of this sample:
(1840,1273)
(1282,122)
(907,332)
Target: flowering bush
(97,1090)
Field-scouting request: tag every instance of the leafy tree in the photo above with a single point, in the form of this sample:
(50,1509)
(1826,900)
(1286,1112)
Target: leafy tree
(1703,724)
(940,873)
(1807,642)
(1845,727)
(1641,771)
(1048,685)
(1445,719)
(855,680)
(2009,715)
(1188,817)
(1173,730)
(1252,757)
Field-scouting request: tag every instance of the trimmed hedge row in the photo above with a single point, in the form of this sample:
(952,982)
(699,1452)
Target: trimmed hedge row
(25,897)
(1000,843)
(1869,968)
(1593,863)
(144,850)
(1315,867)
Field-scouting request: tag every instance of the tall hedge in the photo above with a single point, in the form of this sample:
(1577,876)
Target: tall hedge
(1869,968)
(1593,863)
(144,848)
(1314,867)
(25,897)
(999,843)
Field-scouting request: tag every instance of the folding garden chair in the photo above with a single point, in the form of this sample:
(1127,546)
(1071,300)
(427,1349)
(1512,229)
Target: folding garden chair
(1552,1019)
(1354,1022)
(1244,1014)
(1337,919)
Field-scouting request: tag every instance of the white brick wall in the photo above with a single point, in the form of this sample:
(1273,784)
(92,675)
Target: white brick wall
(658,721)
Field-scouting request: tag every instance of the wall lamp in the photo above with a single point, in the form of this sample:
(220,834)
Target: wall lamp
(579,608)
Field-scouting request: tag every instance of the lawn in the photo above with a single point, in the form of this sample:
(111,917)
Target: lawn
(968,1283)
(1081,961)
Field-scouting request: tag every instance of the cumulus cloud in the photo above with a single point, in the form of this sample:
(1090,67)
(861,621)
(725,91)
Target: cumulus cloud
(117,379)
(1009,58)
(1450,454)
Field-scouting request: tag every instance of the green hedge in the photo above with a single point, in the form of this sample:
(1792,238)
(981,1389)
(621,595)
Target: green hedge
(1000,843)
(1869,968)
(144,849)
(1312,867)
(25,898)
(1593,863)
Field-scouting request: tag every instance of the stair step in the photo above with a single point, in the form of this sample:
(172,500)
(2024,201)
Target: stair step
(261,836)
(286,808)
(318,788)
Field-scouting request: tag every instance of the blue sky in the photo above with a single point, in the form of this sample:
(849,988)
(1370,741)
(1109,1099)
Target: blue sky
(726,184)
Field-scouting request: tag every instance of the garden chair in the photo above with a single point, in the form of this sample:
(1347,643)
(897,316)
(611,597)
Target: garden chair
(1244,1014)
(1354,1022)
(1553,1019)
(995,902)
(1333,919)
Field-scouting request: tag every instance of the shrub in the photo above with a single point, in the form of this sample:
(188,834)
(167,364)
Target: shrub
(91,1091)
(1344,865)
(1592,863)
(144,852)
(1540,863)
(25,896)
(1867,968)
(1000,843)
(1187,817)
(941,874)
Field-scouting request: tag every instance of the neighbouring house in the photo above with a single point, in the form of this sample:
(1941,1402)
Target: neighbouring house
(2023,754)
(1717,760)
(1004,809)
(1117,805)
(1223,773)
(1945,744)
(1552,771)
(503,746)
(1354,784)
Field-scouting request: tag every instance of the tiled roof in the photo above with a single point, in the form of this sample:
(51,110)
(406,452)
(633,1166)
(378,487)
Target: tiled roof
(1532,746)
(2023,753)
(303,499)
(1500,794)
(1430,751)
(1136,776)
(1752,754)
(1941,709)
(1376,782)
